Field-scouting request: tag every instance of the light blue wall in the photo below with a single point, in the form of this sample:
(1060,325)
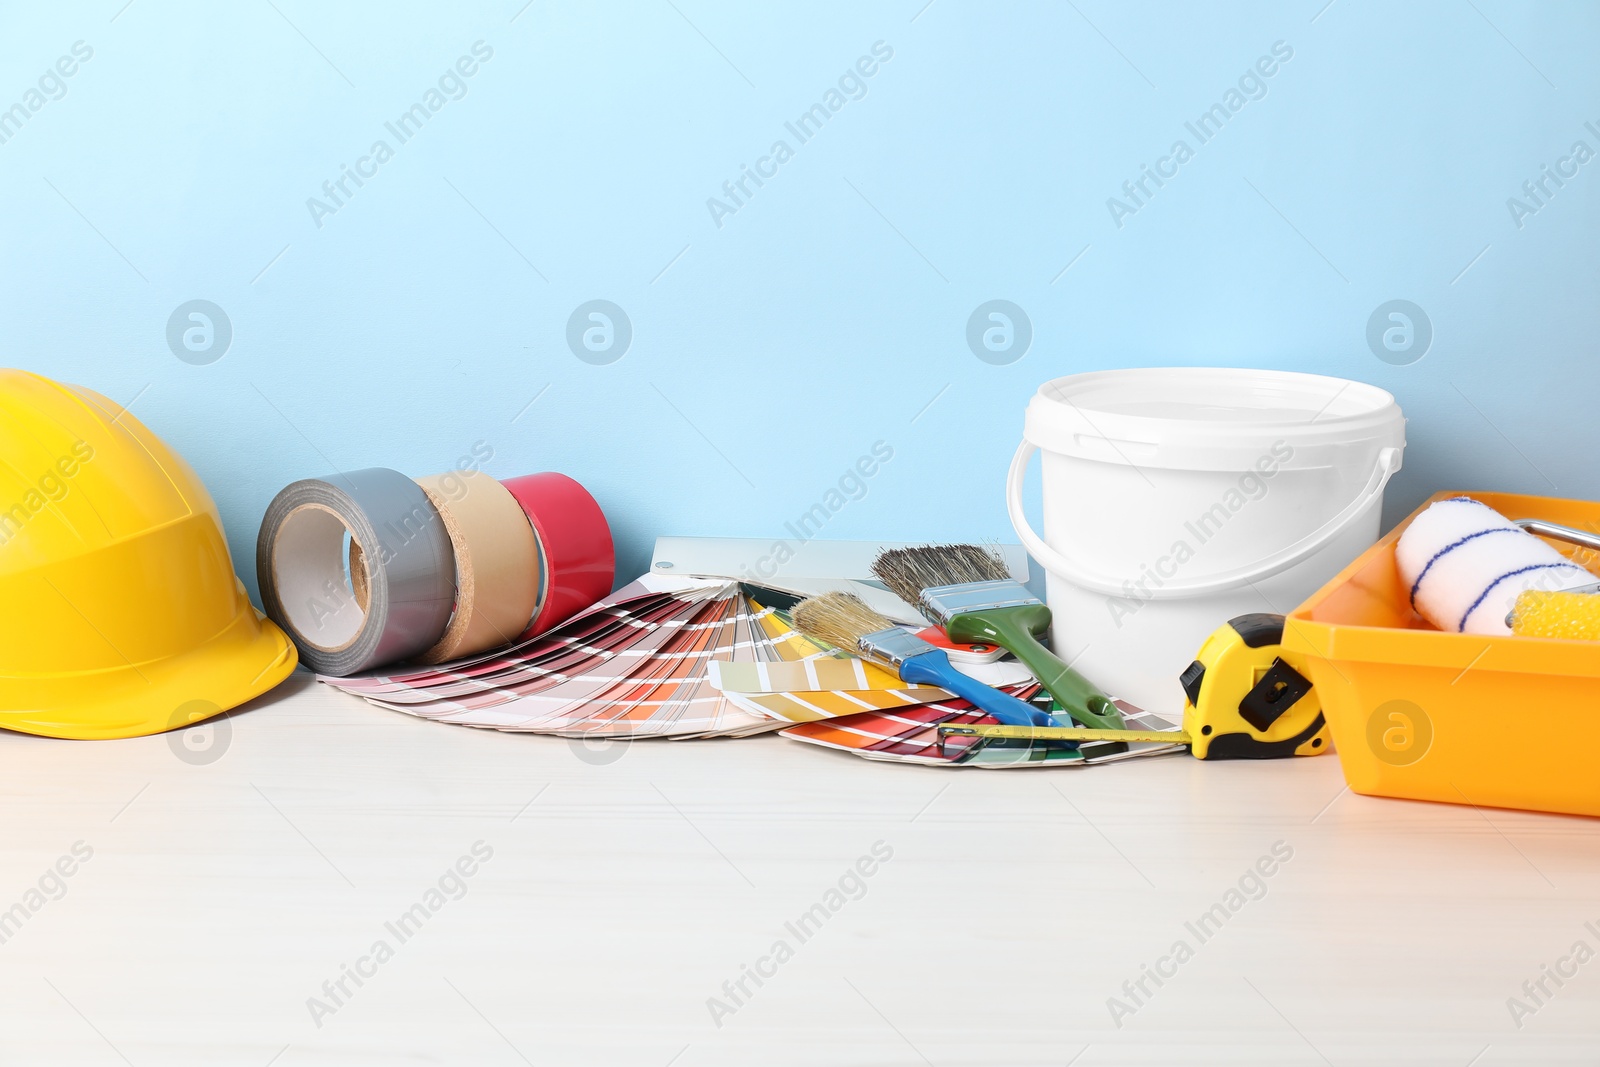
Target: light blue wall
(770,352)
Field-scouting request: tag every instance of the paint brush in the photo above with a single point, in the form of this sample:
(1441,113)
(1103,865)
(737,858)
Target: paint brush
(843,621)
(969,591)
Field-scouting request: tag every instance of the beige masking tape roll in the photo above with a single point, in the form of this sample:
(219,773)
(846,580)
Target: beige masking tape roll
(497,563)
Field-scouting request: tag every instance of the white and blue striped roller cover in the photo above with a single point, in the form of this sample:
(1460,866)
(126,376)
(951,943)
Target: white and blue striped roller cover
(1464,564)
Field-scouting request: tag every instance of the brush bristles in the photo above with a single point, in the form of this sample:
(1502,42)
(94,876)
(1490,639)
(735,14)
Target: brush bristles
(908,571)
(838,619)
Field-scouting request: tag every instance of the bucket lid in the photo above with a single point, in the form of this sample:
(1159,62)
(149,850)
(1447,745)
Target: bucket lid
(1211,418)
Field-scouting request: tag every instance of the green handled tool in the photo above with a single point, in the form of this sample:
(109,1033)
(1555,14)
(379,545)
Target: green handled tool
(968,590)
(1004,613)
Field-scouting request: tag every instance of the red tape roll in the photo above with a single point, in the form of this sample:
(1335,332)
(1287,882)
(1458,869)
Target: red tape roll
(575,545)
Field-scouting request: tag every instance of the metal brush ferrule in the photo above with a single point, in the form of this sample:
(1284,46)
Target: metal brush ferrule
(893,646)
(941,603)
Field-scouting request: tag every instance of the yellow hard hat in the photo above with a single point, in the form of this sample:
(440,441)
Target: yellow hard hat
(120,613)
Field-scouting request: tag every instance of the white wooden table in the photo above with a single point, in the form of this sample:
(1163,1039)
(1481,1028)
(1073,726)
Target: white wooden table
(627,885)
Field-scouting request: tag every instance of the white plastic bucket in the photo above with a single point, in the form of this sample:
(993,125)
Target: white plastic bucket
(1178,497)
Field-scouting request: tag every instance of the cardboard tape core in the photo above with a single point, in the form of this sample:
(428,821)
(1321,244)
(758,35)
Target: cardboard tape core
(308,566)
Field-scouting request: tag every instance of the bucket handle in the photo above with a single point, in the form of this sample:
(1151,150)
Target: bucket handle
(1057,564)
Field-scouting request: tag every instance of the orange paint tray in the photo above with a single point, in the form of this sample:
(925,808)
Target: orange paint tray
(1458,718)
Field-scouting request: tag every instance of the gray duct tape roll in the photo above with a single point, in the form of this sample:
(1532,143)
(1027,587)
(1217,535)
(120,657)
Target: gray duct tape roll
(400,602)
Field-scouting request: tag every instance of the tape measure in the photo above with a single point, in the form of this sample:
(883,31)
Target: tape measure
(1244,699)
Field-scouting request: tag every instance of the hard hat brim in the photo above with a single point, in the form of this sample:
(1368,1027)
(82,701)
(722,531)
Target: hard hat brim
(241,662)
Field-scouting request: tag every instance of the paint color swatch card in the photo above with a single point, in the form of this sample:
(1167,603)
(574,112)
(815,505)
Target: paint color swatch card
(688,658)
(634,665)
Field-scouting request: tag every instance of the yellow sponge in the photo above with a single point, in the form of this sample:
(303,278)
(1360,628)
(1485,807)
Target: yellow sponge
(1571,616)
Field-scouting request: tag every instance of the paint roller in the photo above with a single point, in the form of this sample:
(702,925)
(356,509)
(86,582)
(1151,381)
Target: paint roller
(1471,570)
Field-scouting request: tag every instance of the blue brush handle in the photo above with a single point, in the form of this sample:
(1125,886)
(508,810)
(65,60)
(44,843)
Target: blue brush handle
(935,668)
